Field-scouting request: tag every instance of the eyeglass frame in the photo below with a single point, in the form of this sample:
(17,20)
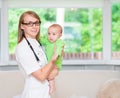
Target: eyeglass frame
(30,24)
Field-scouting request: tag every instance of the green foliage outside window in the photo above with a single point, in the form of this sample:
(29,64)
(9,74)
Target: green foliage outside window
(82,27)
(89,34)
(46,15)
(116,27)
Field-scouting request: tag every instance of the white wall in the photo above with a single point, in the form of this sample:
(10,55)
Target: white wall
(69,84)
(73,84)
(11,83)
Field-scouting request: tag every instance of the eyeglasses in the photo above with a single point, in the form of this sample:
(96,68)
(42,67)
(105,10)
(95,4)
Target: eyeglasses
(30,24)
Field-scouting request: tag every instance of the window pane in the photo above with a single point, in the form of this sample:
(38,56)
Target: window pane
(116,31)
(47,15)
(83,33)
(82,30)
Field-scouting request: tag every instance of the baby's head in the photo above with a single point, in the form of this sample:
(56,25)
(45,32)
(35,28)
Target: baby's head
(54,32)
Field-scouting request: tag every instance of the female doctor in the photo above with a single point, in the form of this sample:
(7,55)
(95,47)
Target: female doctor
(32,59)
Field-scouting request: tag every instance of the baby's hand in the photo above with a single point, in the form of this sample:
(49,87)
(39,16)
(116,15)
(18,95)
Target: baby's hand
(55,56)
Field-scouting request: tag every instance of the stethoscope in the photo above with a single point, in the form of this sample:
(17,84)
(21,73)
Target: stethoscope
(31,46)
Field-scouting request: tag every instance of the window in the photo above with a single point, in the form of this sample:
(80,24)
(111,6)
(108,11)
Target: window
(82,30)
(87,28)
(116,30)
(83,33)
(47,16)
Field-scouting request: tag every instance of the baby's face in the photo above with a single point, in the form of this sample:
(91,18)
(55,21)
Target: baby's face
(54,34)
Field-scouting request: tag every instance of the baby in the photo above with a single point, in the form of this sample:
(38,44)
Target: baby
(53,40)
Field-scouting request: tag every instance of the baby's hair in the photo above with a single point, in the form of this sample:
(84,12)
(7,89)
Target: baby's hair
(56,26)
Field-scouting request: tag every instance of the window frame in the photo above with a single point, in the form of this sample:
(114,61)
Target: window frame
(104,4)
(4,35)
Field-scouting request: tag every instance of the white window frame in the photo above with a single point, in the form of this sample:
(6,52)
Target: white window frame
(4,55)
(104,4)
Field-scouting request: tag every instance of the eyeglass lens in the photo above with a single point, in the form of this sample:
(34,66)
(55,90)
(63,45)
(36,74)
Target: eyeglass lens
(37,23)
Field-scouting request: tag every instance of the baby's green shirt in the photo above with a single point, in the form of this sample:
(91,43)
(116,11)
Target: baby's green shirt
(49,49)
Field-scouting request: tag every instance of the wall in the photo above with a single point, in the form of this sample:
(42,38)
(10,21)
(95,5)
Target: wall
(69,83)
(11,83)
(75,84)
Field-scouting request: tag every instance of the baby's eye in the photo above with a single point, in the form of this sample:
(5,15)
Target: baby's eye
(54,34)
(48,33)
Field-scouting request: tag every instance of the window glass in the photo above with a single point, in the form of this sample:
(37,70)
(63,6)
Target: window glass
(83,33)
(46,15)
(116,30)
(82,30)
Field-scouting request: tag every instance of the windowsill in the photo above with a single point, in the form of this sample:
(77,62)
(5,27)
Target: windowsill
(91,62)
(9,68)
(76,62)
(71,68)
